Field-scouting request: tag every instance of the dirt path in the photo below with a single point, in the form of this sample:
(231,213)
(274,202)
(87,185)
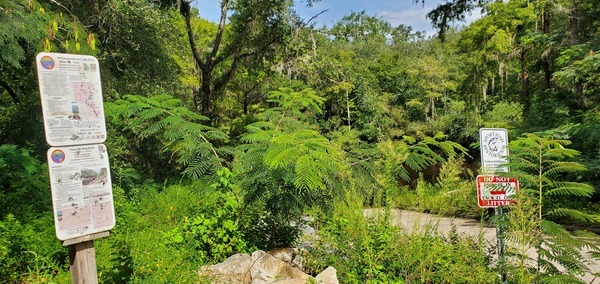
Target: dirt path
(411,220)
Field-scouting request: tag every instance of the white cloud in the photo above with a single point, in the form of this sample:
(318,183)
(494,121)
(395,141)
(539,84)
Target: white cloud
(411,17)
(416,17)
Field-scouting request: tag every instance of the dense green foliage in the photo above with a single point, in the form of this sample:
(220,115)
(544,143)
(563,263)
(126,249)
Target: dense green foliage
(373,251)
(222,136)
(538,161)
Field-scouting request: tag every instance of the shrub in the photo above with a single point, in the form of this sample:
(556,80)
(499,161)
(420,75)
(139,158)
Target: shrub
(373,251)
(30,252)
(450,196)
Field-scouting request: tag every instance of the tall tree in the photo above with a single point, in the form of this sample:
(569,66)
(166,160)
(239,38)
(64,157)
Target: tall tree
(255,30)
(501,41)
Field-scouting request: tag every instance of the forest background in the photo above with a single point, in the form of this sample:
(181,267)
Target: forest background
(223,135)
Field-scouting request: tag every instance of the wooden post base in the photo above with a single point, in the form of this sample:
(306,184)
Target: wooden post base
(82,258)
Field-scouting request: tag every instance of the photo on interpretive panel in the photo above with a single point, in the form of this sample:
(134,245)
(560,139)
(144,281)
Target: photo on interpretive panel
(94,177)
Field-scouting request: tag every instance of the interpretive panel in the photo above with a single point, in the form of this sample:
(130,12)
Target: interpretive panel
(81,190)
(71,95)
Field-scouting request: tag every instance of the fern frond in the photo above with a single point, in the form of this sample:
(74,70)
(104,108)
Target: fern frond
(572,214)
(427,153)
(257,137)
(560,279)
(450,148)
(416,162)
(571,188)
(563,167)
(282,157)
(409,139)
(560,153)
(403,174)
(440,136)
(306,176)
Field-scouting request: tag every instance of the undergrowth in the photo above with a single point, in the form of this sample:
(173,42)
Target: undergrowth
(371,250)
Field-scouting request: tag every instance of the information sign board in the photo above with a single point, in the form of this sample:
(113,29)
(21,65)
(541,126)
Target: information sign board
(81,190)
(494,149)
(494,191)
(71,96)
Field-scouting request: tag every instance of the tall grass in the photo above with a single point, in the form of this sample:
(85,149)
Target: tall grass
(371,250)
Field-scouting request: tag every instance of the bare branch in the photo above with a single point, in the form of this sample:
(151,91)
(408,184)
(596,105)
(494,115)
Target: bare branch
(222,82)
(314,17)
(185,11)
(10,91)
(219,36)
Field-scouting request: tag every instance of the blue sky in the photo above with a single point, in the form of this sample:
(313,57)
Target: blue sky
(396,12)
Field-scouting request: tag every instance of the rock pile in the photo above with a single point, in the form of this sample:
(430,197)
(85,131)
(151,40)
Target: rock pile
(277,266)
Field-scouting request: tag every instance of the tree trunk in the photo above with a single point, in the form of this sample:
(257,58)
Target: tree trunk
(245,103)
(574,18)
(348,109)
(205,93)
(525,92)
(432,109)
(547,56)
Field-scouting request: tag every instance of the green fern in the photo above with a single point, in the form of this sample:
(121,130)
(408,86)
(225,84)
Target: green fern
(541,163)
(560,279)
(179,129)
(419,154)
(537,160)
(284,162)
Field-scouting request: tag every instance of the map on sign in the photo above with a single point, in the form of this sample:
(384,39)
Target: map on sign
(71,96)
(495,191)
(494,149)
(81,190)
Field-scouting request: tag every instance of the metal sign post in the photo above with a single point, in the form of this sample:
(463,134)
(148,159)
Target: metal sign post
(500,242)
(80,182)
(494,191)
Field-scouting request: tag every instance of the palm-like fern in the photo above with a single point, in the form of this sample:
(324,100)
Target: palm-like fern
(419,154)
(284,161)
(540,162)
(179,129)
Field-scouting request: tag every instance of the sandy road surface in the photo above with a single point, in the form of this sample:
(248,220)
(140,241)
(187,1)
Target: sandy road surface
(410,220)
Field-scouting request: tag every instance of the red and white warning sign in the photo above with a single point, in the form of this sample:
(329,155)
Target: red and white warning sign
(494,191)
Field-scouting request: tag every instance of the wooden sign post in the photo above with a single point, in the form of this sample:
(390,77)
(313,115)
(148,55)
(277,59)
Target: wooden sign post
(82,258)
(80,181)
